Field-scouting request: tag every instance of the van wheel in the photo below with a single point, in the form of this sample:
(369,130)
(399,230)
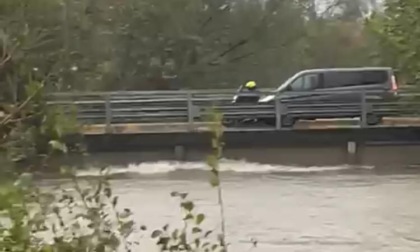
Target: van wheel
(372,119)
(269,121)
(288,121)
(230,122)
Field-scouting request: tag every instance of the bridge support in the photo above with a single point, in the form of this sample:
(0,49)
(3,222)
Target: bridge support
(180,152)
(351,148)
(354,152)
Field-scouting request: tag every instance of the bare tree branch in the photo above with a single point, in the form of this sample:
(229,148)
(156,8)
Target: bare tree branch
(10,116)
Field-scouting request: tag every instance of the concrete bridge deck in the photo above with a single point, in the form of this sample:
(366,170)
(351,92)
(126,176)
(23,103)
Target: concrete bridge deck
(314,134)
(163,128)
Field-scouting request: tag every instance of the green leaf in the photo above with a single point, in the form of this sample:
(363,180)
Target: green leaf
(199,219)
(115,201)
(214,143)
(114,241)
(214,180)
(188,217)
(175,234)
(156,234)
(56,145)
(189,205)
(197,242)
(108,192)
(183,238)
(24,180)
(212,161)
(127,228)
(33,88)
(164,242)
(165,228)
(196,230)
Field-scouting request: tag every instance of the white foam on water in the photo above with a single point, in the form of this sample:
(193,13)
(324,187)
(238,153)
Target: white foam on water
(226,165)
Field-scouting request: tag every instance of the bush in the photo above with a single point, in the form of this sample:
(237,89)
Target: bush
(86,218)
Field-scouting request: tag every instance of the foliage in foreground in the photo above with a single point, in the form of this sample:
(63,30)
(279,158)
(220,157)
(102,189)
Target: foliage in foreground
(32,136)
(32,133)
(87,218)
(66,220)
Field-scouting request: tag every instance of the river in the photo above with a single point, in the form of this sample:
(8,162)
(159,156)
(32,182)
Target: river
(284,207)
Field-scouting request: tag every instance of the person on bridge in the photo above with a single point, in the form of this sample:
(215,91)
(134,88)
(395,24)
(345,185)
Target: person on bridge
(250,89)
(247,93)
(251,86)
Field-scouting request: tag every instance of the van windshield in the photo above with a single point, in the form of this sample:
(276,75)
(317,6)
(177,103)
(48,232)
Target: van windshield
(286,83)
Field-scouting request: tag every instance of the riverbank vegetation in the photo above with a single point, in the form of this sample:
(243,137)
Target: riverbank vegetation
(145,44)
(85,215)
(51,45)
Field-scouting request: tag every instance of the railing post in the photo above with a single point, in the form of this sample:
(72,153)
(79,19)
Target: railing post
(190,111)
(278,111)
(108,114)
(363,109)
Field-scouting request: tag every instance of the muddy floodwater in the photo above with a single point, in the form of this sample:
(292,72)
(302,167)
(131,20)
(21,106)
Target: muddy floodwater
(286,206)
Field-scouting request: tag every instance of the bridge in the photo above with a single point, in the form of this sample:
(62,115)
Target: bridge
(155,119)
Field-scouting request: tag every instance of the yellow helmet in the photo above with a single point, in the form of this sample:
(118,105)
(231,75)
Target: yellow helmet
(250,84)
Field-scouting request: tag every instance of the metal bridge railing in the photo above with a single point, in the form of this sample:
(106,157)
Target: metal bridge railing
(193,106)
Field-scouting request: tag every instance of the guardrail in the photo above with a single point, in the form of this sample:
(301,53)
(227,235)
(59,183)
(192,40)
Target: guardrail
(193,106)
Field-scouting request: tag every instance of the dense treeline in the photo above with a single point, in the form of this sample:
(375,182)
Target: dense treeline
(159,44)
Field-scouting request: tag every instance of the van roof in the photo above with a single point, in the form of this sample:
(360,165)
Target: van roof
(344,69)
(323,70)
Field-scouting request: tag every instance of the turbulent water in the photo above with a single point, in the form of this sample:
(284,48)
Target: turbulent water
(241,167)
(284,208)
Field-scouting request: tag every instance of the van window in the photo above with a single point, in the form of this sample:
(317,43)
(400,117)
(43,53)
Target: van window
(375,77)
(354,78)
(306,82)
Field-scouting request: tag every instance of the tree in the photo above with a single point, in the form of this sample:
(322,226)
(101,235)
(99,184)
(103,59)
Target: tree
(152,44)
(397,32)
(350,10)
(30,43)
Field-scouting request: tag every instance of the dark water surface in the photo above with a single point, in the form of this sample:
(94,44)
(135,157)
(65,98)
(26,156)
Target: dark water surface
(287,206)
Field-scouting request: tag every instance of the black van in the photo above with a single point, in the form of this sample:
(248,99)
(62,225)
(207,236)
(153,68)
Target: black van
(333,93)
